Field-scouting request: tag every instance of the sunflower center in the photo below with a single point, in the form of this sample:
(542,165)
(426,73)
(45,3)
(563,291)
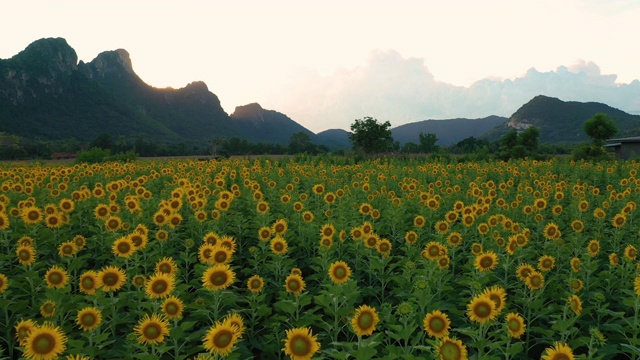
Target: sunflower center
(218,278)
(55,278)
(340,272)
(514,325)
(293,285)
(560,357)
(165,268)
(223,338)
(486,262)
(300,346)
(171,308)
(44,344)
(24,255)
(110,279)
(278,246)
(496,299)
(88,319)
(482,310)
(436,324)
(535,280)
(152,331)
(160,286)
(221,256)
(255,284)
(449,351)
(87,283)
(365,320)
(33,215)
(123,247)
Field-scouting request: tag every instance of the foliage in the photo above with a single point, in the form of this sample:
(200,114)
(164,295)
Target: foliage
(99,155)
(600,128)
(428,142)
(370,136)
(590,152)
(519,146)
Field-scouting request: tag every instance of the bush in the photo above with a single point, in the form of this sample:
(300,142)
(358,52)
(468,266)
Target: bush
(98,155)
(590,152)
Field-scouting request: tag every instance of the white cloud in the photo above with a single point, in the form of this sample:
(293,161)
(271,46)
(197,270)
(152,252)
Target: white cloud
(401,90)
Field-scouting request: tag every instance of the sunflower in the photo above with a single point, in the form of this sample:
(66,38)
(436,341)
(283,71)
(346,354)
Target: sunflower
(546,263)
(205,253)
(515,325)
(307,216)
(26,255)
(365,208)
(535,281)
(498,295)
(556,209)
(559,351)
(220,339)
(357,233)
(264,233)
(162,235)
(486,261)
(618,220)
(294,284)
(371,241)
(451,349)
(339,272)
(235,321)
(481,309)
(255,284)
(54,221)
(111,278)
(364,320)
(384,247)
(89,318)
(67,205)
(139,240)
(166,265)
(4,283)
(575,304)
(300,344)
(279,245)
(318,189)
(419,221)
(32,215)
(575,264)
(454,239)
(80,241)
(468,220)
(599,213)
(280,226)
(139,281)
(123,247)
(172,307)
(444,261)
(160,218)
(614,259)
(218,277)
(540,204)
(48,308)
(159,285)
(432,251)
(56,277)
(630,252)
(524,271)
(88,282)
(441,227)
(552,232)
(593,248)
(23,328)
(636,285)
(411,237)
(101,211)
(476,249)
(575,285)
(327,230)
(436,324)
(577,225)
(46,342)
(262,207)
(4,221)
(152,329)
(113,223)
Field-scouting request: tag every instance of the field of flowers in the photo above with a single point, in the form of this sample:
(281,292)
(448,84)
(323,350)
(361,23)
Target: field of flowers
(322,257)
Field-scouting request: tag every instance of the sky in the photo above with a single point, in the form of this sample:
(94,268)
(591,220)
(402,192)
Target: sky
(326,63)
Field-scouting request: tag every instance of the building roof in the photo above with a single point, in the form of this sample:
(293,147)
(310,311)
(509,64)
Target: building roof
(632,139)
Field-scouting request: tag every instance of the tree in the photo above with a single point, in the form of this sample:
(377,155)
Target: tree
(600,128)
(300,142)
(529,138)
(410,148)
(428,142)
(371,136)
(103,141)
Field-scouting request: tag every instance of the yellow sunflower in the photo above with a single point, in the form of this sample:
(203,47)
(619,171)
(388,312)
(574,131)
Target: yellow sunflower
(205,253)
(486,261)
(618,220)
(630,252)
(575,304)
(614,259)
(436,324)
(294,284)
(339,272)
(593,248)
(364,320)
(235,321)
(577,226)
(32,215)
(442,227)
(279,245)
(411,237)
(451,349)
(264,233)
(327,230)
(166,265)
(4,283)
(23,328)
(365,208)
(300,344)
(152,329)
(111,278)
(575,264)
(454,239)
(443,261)
(307,216)
(559,351)
(48,308)
(56,277)
(432,251)
(546,263)
(384,247)
(498,295)
(46,342)
(551,231)
(255,284)
(419,221)
(159,285)
(89,318)
(280,226)
(26,255)
(162,235)
(113,223)
(524,271)
(172,307)
(476,249)
(535,281)
(262,207)
(139,240)
(220,339)
(4,221)
(515,325)
(123,247)
(218,277)
(80,241)
(481,309)
(54,221)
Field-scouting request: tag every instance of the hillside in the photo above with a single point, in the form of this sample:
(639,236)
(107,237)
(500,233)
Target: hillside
(261,125)
(448,131)
(562,121)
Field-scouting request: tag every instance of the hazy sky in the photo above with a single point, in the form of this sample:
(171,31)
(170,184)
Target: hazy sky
(325,63)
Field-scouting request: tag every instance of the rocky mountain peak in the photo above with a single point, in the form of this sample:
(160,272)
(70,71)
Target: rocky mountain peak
(49,55)
(251,111)
(112,62)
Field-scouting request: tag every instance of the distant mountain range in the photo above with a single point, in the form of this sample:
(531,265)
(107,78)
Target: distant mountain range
(46,94)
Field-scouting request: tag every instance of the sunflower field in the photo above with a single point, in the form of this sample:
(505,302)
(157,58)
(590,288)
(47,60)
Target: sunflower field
(325,258)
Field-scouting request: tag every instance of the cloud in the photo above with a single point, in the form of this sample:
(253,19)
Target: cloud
(401,90)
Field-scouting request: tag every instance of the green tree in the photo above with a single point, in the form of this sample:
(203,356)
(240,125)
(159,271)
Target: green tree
(410,148)
(300,142)
(529,138)
(428,142)
(600,128)
(371,136)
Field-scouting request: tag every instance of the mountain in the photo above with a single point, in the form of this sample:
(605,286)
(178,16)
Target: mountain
(333,139)
(562,121)
(260,125)
(449,131)
(46,94)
